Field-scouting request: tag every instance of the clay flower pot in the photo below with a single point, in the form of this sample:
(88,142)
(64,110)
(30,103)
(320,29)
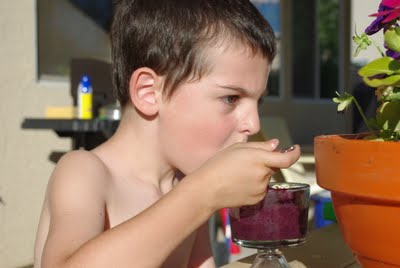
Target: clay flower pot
(364,178)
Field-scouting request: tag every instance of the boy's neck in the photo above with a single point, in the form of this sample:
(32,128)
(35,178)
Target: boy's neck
(135,153)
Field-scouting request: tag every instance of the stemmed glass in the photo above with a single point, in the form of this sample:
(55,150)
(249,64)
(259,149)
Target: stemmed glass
(279,221)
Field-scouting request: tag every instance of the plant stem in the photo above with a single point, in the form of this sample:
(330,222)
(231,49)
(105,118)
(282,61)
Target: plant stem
(361,113)
(378,48)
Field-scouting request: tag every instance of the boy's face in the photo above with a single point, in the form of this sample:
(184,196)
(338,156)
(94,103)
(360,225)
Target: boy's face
(220,109)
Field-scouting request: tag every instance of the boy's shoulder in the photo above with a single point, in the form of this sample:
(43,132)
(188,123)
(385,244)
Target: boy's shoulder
(82,168)
(83,161)
(79,155)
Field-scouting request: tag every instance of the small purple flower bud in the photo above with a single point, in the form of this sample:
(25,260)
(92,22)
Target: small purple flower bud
(391,53)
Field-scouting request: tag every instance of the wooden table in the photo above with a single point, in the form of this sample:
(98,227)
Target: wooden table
(324,248)
(85,134)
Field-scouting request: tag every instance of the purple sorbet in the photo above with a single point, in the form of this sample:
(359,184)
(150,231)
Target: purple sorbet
(283,215)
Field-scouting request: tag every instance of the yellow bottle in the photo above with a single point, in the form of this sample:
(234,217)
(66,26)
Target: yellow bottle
(85,98)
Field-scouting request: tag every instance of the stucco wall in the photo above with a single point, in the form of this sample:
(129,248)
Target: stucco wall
(24,164)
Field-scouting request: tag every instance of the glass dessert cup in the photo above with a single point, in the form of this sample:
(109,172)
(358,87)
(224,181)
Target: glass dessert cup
(279,221)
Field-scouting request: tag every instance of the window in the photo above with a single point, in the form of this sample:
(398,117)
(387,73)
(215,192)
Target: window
(315,29)
(313,42)
(68,29)
(271,10)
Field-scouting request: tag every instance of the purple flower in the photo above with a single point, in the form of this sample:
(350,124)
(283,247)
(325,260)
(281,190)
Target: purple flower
(391,53)
(391,3)
(377,24)
(388,11)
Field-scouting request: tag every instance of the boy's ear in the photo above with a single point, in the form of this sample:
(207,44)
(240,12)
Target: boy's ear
(144,89)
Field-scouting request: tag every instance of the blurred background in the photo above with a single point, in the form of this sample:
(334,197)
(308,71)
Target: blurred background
(40,38)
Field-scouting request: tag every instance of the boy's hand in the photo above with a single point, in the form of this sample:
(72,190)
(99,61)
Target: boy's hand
(239,174)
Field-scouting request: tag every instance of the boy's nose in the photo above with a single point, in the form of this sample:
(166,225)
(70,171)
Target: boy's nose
(251,123)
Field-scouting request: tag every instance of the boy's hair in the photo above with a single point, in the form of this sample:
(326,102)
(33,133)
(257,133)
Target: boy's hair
(170,37)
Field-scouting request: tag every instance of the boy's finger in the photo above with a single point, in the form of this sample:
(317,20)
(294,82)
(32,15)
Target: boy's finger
(269,145)
(282,159)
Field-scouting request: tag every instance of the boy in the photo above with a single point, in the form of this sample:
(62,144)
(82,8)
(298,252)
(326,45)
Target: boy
(189,75)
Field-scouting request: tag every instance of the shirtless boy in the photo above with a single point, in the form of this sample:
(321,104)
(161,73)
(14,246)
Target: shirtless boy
(189,75)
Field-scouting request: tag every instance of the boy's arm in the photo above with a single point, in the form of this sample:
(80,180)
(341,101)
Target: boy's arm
(77,205)
(236,176)
(202,256)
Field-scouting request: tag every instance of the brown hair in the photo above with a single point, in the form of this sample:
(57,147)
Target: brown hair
(169,37)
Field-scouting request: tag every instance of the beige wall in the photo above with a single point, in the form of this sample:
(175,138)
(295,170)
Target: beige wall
(24,165)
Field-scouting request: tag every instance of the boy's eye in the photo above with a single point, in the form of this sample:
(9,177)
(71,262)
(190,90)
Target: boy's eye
(231,100)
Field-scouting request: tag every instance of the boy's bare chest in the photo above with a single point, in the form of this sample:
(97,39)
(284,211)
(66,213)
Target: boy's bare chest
(124,202)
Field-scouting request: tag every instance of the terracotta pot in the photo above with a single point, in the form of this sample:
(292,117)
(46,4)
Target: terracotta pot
(364,178)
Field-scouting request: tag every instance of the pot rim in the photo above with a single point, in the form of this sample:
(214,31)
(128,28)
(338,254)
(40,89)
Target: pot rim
(361,167)
(356,137)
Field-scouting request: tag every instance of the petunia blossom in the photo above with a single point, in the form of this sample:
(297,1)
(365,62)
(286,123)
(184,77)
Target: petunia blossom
(391,10)
(378,23)
(391,3)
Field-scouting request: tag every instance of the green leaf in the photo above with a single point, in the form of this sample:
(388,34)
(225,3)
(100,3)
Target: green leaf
(357,51)
(373,138)
(362,42)
(384,65)
(387,135)
(393,80)
(343,101)
(373,124)
(394,95)
(392,39)
(388,116)
(396,135)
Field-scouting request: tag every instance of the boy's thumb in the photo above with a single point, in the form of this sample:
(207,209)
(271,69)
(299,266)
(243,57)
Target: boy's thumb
(269,145)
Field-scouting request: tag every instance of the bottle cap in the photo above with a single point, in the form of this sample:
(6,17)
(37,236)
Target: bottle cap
(85,81)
